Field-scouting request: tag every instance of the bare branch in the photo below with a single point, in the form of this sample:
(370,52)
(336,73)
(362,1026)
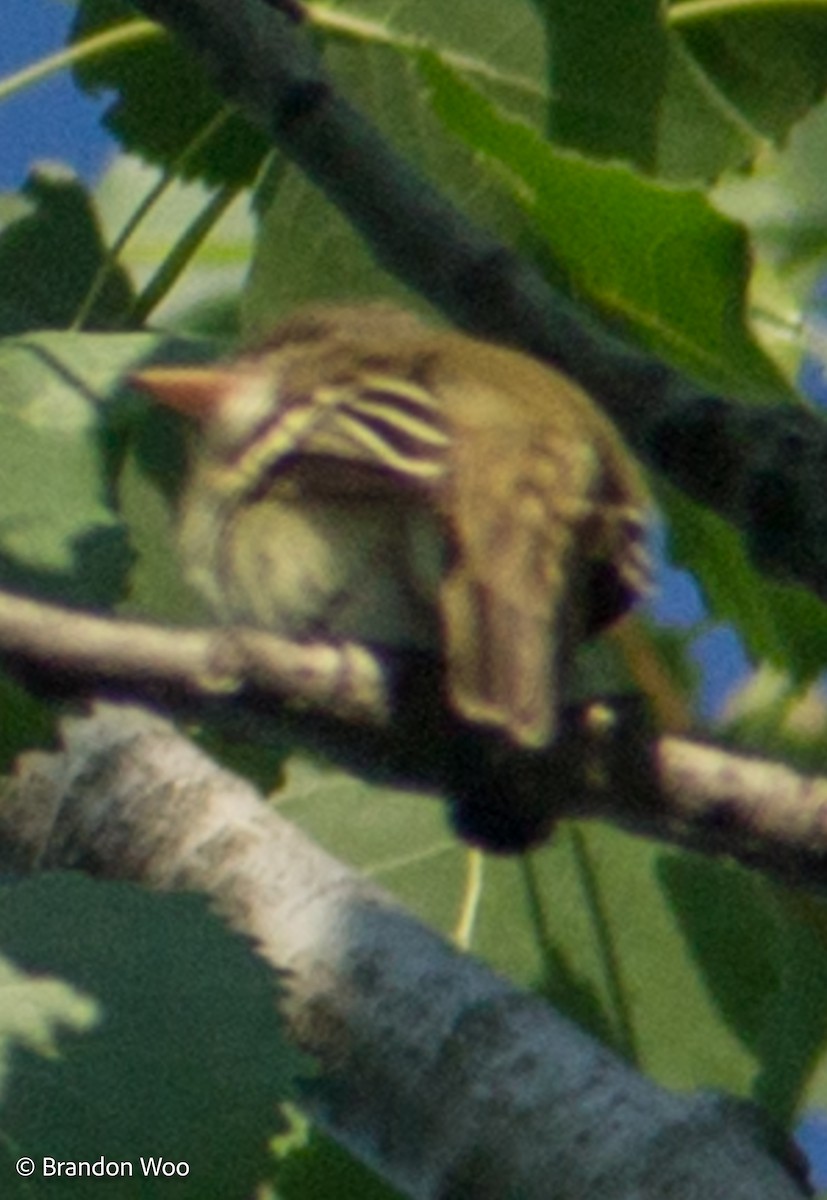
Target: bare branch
(377,715)
(345,681)
(435,1071)
(717,801)
(761,470)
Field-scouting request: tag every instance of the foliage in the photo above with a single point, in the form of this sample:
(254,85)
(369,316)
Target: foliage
(127,1003)
(647,158)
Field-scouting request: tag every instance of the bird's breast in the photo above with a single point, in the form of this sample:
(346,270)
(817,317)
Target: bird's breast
(362,568)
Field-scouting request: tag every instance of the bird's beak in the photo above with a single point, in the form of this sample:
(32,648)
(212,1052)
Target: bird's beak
(195,391)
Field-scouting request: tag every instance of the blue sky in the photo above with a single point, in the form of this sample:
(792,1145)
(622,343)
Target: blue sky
(50,119)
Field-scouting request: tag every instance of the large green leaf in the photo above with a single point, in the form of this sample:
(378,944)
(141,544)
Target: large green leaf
(795,1037)
(592,927)
(301,236)
(701,133)
(187,1060)
(68,425)
(154,77)
(769,59)
(51,253)
(625,86)
(157,588)
(730,923)
(500,47)
(59,531)
(608,70)
(761,954)
(657,258)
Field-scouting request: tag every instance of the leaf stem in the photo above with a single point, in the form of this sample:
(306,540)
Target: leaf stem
(179,258)
(600,918)
(347,26)
(694,12)
(471,898)
(100,43)
(144,207)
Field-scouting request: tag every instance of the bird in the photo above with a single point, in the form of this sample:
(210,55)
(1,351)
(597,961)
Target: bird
(361,474)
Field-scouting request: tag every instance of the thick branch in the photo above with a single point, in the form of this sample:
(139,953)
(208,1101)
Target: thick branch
(763,471)
(441,1075)
(385,719)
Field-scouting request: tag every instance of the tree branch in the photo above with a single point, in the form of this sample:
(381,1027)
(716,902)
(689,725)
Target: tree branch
(345,681)
(763,470)
(439,1074)
(384,717)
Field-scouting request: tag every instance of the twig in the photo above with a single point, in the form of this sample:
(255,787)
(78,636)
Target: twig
(345,681)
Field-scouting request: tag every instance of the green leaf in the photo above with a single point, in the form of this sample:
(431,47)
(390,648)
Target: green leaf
(58,530)
(500,47)
(302,233)
(187,1060)
(67,426)
(780,624)
(618,964)
(297,215)
(596,932)
(730,924)
(795,1038)
(157,588)
(761,954)
(50,253)
(64,422)
(625,86)
(701,133)
(608,68)
(656,258)
(205,299)
(149,479)
(371,50)
(769,59)
(393,835)
(318,1169)
(166,108)
(36,1013)
(784,204)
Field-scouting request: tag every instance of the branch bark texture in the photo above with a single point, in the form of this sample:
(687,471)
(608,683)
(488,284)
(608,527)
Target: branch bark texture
(435,1071)
(357,707)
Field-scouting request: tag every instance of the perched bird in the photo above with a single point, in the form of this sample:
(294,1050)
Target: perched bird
(362,475)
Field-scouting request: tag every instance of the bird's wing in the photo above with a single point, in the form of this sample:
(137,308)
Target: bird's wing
(379,421)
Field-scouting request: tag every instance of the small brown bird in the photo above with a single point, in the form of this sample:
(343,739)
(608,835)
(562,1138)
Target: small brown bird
(362,475)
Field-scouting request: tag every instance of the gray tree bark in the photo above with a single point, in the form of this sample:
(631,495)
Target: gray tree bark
(444,1077)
